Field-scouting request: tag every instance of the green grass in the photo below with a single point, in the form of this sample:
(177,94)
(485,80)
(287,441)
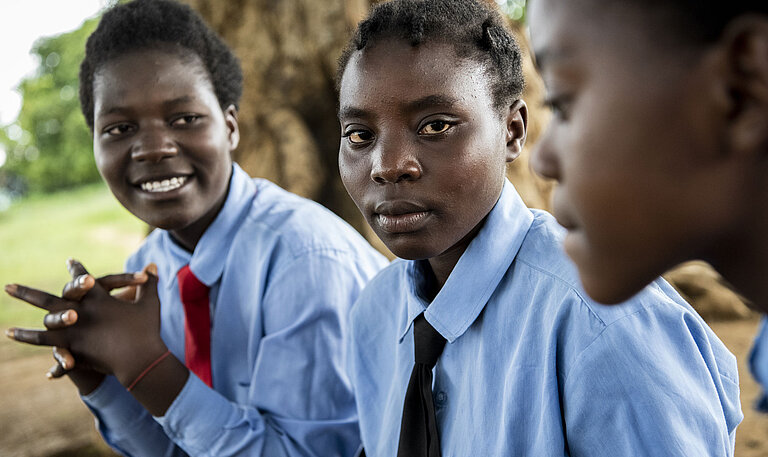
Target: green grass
(38,235)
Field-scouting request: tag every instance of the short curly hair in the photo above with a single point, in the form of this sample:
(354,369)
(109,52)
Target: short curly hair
(475,30)
(143,24)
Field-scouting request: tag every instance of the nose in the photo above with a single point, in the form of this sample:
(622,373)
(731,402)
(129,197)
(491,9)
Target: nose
(153,144)
(544,158)
(394,163)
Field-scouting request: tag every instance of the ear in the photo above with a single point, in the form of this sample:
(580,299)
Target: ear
(233,130)
(517,128)
(745,44)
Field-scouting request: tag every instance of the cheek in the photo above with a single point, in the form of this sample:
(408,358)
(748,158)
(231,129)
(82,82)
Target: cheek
(354,172)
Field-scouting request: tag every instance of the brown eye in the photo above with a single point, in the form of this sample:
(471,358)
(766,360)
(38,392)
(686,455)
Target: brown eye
(434,128)
(117,129)
(359,136)
(185,120)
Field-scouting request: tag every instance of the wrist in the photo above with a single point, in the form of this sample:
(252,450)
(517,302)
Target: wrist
(86,381)
(137,362)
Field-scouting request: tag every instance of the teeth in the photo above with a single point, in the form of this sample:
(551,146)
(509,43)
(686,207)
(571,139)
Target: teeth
(166,185)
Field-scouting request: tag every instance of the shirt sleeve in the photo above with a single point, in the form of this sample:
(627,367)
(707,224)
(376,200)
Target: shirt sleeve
(300,400)
(650,385)
(124,423)
(758,364)
(121,420)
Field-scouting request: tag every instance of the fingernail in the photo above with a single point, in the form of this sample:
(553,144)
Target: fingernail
(70,262)
(69,317)
(49,375)
(140,275)
(10,333)
(152,268)
(11,289)
(80,280)
(64,364)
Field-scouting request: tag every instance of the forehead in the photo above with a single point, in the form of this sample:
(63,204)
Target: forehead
(563,28)
(394,73)
(144,75)
(600,29)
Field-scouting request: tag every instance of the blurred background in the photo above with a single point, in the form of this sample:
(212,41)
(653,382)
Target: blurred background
(53,205)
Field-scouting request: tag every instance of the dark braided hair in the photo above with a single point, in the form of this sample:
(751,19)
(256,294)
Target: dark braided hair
(475,30)
(145,24)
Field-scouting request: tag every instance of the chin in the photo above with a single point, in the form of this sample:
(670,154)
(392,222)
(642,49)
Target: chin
(603,281)
(408,249)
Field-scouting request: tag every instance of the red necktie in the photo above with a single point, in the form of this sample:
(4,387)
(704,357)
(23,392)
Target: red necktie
(197,324)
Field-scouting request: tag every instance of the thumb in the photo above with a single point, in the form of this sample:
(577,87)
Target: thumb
(148,290)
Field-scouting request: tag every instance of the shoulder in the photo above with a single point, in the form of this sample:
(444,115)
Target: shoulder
(284,225)
(640,321)
(542,254)
(383,298)
(152,249)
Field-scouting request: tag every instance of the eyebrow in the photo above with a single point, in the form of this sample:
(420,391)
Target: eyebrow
(166,104)
(351,111)
(430,101)
(544,56)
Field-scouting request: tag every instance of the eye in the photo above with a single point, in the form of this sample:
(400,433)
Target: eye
(186,120)
(435,127)
(358,136)
(118,129)
(559,106)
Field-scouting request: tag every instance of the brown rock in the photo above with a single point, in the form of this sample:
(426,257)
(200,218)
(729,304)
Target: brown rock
(708,292)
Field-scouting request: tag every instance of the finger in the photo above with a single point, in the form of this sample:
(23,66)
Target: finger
(118,281)
(60,319)
(75,268)
(56,372)
(77,288)
(149,288)
(64,357)
(126,294)
(35,337)
(35,297)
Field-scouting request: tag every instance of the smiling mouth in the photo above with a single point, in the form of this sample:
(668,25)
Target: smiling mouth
(163,185)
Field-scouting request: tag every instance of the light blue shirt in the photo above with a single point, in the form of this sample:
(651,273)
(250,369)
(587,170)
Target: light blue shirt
(283,273)
(532,367)
(758,364)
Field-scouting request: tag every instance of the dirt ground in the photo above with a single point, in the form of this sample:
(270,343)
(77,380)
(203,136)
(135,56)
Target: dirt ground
(45,418)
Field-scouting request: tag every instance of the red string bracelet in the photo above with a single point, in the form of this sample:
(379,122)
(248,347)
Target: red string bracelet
(148,369)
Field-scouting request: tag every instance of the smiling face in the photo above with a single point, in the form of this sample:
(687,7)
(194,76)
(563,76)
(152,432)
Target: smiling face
(161,141)
(423,152)
(636,143)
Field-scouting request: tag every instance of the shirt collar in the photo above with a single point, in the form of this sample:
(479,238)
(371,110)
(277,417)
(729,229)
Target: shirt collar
(478,272)
(210,255)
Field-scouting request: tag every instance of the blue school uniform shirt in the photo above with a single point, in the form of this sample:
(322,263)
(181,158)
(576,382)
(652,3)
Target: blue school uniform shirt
(283,273)
(532,367)
(758,364)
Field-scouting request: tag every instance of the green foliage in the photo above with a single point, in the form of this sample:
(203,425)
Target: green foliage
(515,9)
(50,145)
(38,234)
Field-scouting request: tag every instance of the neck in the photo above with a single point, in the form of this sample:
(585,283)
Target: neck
(188,236)
(442,265)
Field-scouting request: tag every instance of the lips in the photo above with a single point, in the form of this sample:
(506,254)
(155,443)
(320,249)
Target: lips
(400,216)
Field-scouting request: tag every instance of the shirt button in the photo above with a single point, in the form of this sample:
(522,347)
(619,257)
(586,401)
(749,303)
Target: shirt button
(441,399)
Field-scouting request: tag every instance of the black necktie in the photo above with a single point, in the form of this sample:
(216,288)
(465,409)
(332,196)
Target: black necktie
(418,430)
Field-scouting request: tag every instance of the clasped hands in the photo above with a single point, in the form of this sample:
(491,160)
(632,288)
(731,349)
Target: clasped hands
(99,332)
